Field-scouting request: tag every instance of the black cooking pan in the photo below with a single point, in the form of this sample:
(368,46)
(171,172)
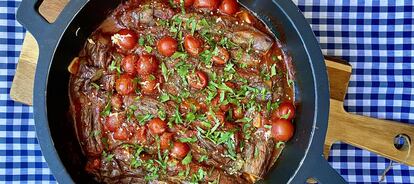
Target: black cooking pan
(61,41)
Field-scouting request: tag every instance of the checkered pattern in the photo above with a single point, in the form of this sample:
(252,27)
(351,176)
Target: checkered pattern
(375,36)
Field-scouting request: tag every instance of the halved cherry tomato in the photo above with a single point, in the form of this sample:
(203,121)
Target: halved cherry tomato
(124,85)
(128,63)
(193,45)
(167,46)
(179,150)
(206,4)
(187,3)
(121,134)
(157,126)
(149,85)
(222,57)
(165,140)
(282,130)
(116,102)
(147,64)
(114,121)
(125,38)
(229,7)
(286,110)
(198,80)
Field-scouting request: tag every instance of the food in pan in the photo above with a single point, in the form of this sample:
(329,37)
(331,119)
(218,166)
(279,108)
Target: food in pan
(181,91)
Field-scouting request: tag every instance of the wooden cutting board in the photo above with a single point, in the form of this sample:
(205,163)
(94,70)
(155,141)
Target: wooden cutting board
(367,133)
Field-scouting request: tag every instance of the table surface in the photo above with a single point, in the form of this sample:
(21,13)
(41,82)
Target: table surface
(376,37)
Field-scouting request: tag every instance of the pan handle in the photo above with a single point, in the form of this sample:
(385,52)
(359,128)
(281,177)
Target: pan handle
(29,16)
(319,169)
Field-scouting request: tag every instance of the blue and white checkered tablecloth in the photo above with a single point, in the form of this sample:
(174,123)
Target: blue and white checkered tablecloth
(376,37)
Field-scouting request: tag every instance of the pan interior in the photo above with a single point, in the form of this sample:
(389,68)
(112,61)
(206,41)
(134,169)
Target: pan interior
(96,11)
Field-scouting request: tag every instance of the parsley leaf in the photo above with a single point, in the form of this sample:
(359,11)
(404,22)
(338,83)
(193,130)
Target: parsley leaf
(187,159)
(164,97)
(142,119)
(189,139)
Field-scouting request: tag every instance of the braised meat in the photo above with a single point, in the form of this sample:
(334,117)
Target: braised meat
(190,91)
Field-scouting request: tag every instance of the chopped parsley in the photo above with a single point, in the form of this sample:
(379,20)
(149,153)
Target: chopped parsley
(164,71)
(107,109)
(187,159)
(164,97)
(203,158)
(142,119)
(188,139)
(95,85)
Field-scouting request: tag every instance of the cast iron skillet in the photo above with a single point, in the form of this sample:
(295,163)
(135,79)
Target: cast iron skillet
(61,41)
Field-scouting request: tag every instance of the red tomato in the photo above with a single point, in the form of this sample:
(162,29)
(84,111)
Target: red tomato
(167,46)
(198,80)
(114,121)
(165,140)
(93,165)
(282,130)
(147,64)
(179,150)
(220,115)
(216,102)
(207,4)
(222,57)
(141,135)
(125,38)
(238,113)
(229,7)
(124,85)
(149,85)
(157,126)
(187,3)
(245,17)
(121,134)
(128,63)
(116,102)
(286,110)
(193,45)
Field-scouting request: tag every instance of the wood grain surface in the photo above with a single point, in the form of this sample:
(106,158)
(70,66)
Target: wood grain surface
(367,133)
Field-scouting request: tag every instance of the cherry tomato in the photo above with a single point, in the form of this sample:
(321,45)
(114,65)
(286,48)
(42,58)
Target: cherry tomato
(246,17)
(198,80)
(128,63)
(93,165)
(216,102)
(286,110)
(124,85)
(187,3)
(238,113)
(188,104)
(114,121)
(147,64)
(282,130)
(179,150)
(222,57)
(125,38)
(220,116)
(116,102)
(121,134)
(193,45)
(141,135)
(229,7)
(167,46)
(149,85)
(157,126)
(206,4)
(165,140)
